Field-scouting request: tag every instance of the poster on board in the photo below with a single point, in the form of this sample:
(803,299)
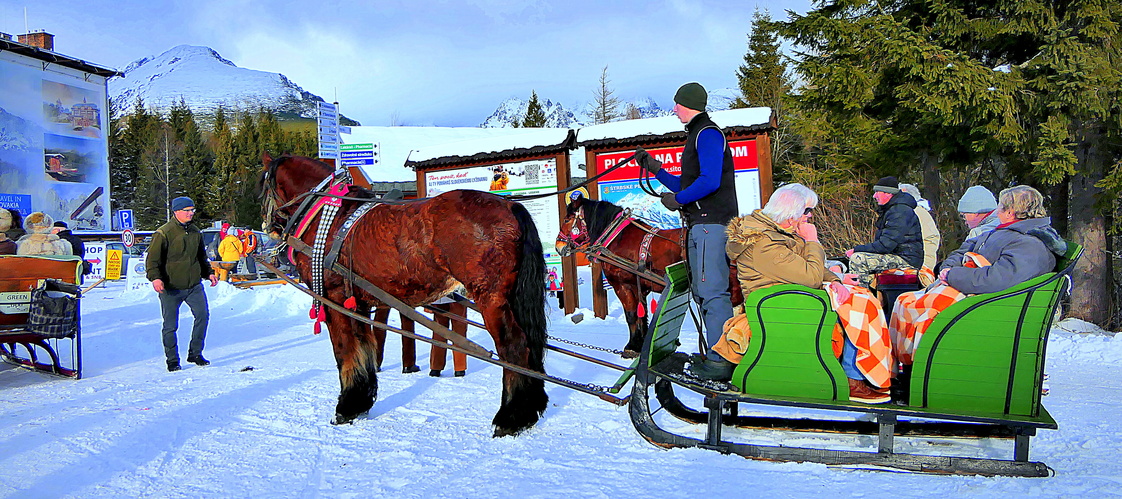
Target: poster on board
(521,178)
(54,154)
(621,186)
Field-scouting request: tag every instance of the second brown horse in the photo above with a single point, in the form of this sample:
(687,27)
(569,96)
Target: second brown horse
(585,222)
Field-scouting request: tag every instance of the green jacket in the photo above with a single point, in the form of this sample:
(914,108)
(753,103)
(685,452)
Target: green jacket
(177,256)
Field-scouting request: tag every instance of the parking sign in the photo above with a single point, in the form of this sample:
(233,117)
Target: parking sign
(126,219)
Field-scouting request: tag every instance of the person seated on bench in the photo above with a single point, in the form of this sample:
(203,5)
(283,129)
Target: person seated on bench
(39,239)
(779,245)
(898,242)
(7,246)
(1022,247)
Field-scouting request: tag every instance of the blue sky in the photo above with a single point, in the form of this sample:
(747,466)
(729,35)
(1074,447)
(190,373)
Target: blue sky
(424,62)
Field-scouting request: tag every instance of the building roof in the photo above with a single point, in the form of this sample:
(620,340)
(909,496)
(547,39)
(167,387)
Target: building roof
(518,143)
(56,58)
(668,128)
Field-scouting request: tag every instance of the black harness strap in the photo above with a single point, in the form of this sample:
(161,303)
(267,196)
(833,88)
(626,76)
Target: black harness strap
(344,230)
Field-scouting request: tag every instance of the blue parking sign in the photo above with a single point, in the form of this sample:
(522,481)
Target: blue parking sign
(126,219)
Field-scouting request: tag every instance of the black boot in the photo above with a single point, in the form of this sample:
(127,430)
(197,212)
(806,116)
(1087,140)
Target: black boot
(434,373)
(716,370)
(173,366)
(198,360)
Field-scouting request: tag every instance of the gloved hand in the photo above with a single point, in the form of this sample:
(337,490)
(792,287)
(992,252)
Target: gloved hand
(669,202)
(647,161)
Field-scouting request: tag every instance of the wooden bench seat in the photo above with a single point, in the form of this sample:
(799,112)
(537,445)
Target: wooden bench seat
(19,345)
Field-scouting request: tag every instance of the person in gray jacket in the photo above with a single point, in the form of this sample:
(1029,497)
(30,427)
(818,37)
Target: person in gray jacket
(1023,246)
(978,209)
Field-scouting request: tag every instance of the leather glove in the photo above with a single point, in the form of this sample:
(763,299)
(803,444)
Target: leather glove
(669,202)
(647,161)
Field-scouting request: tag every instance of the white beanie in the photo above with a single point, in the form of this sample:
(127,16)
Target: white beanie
(977,199)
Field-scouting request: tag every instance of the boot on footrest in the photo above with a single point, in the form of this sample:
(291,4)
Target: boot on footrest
(860,391)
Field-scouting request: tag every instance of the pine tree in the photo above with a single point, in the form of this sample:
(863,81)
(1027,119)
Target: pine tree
(605,106)
(535,117)
(1030,89)
(765,81)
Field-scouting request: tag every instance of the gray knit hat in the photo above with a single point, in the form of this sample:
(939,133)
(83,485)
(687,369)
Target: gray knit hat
(692,95)
(977,199)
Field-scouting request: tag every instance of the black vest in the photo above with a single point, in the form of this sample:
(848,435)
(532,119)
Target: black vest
(719,206)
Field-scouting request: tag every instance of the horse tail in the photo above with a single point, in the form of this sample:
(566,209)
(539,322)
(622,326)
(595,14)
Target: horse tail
(527,298)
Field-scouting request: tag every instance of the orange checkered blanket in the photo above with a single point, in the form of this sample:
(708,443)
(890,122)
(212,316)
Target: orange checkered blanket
(861,320)
(914,312)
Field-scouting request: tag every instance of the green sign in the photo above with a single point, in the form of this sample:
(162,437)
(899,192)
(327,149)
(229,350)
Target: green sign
(355,147)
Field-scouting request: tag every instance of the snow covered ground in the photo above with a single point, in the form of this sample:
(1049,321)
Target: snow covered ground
(131,429)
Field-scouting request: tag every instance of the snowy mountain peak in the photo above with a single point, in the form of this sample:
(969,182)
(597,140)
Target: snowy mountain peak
(513,110)
(205,80)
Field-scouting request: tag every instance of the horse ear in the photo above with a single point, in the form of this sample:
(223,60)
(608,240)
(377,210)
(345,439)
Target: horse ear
(265,160)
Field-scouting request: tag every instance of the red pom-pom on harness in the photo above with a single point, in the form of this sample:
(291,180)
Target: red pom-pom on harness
(350,303)
(317,314)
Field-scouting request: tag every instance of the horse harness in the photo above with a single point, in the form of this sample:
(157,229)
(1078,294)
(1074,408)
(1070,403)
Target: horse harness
(598,250)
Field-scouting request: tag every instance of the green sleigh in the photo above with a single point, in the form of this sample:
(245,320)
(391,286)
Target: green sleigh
(977,373)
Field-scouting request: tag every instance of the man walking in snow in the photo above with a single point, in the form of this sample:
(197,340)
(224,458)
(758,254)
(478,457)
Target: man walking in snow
(176,263)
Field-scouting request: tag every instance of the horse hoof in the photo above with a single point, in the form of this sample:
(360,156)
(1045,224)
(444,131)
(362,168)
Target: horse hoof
(629,354)
(341,419)
(505,432)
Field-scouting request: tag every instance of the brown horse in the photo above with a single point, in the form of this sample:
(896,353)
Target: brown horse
(418,252)
(585,222)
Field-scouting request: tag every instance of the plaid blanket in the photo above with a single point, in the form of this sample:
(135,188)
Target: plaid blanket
(861,320)
(914,312)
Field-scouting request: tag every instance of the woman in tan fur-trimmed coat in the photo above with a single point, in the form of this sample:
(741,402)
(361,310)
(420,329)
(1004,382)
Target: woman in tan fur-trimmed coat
(779,245)
(39,240)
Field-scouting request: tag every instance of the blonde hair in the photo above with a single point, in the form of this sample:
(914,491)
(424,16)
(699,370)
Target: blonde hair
(789,202)
(1024,201)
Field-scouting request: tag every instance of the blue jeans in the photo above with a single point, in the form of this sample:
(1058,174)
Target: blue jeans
(849,359)
(709,279)
(170,301)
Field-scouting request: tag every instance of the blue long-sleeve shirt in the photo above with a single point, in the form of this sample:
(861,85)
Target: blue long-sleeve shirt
(710,155)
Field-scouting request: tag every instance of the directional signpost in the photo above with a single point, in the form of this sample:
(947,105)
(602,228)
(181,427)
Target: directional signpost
(327,120)
(359,155)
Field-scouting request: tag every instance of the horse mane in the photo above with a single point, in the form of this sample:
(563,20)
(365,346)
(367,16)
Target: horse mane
(598,215)
(268,177)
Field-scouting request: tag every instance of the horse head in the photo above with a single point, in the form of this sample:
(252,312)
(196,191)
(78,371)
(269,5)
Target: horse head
(573,236)
(282,181)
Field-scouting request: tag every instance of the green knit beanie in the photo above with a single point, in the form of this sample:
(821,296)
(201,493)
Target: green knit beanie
(692,95)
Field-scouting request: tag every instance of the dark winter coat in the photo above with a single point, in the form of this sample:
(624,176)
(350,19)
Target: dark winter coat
(78,246)
(898,231)
(1017,253)
(176,256)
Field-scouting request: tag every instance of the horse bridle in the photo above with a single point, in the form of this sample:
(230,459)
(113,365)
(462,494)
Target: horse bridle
(578,236)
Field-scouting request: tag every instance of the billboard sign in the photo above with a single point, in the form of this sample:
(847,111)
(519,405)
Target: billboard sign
(522,178)
(621,186)
(54,152)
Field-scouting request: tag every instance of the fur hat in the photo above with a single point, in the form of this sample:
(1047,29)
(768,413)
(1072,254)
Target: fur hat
(39,223)
(887,184)
(5,220)
(692,95)
(977,199)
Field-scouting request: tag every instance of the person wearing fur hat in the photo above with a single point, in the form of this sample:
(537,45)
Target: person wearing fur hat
(7,246)
(705,193)
(78,246)
(176,263)
(898,242)
(39,239)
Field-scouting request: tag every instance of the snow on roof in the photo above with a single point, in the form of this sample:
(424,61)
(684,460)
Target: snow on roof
(751,116)
(515,139)
(396,144)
